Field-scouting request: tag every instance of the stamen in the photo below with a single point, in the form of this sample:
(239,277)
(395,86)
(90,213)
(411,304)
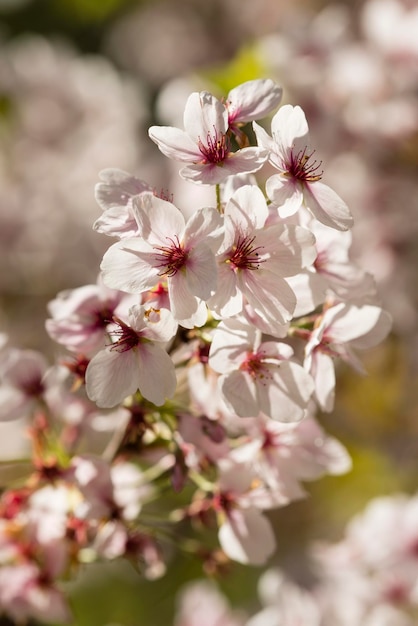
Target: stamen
(216,149)
(255,367)
(128,337)
(300,167)
(171,258)
(244,255)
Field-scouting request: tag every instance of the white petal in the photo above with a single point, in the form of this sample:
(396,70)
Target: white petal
(175,144)
(183,303)
(204,114)
(263,138)
(116,222)
(13,404)
(128,266)
(327,206)
(156,373)
(368,324)
(158,220)
(243,161)
(249,539)
(231,340)
(268,294)
(247,208)
(205,225)
(117,188)
(226,301)
(289,127)
(239,392)
(323,373)
(201,272)
(285,193)
(111,377)
(253,100)
(286,395)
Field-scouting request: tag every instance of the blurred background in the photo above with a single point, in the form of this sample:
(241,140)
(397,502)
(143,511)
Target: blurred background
(80,83)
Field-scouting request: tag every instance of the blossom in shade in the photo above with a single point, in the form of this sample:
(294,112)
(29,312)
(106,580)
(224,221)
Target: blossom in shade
(285,455)
(255,258)
(22,382)
(204,144)
(114,195)
(136,360)
(284,603)
(340,329)
(169,249)
(79,317)
(251,101)
(258,376)
(298,182)
(245,534)
(200,603)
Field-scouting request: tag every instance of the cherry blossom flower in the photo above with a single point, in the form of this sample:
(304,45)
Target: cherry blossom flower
(374,568)
(79,317)
(298,182)
(205,144)
(284,603)
(251,101)
(200,603)
(26,591)
(245,534)
(254,259)
(169,249)
(258,376)
(136,360)
(114,195)
(22,376)
(337,331)
(286,454)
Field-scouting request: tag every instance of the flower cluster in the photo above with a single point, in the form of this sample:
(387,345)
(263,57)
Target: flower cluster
(197,362)
(368,579)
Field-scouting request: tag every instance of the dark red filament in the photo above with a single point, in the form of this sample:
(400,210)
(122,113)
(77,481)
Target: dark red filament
(128,337)
(244,255)
(302,168)
(216,148)
(171,258)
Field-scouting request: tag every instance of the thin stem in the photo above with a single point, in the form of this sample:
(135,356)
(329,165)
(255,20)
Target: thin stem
(218,197)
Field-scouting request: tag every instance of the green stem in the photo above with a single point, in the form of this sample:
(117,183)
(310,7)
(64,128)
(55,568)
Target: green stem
(218,197)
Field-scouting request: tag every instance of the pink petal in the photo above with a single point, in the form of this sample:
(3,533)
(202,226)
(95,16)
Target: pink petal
(253,100)
(289,128)
(156,373)
(117,188)
(286,395)
(285,194)
(204,114)
(128,266)
(157,219)
(327,206)
(247,537)
(111,377)
(239,393)
(175,144)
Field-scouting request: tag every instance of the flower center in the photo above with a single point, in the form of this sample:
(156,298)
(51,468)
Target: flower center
(128,338)
(255,367)
(216,148)
(301,167)
(244,255)
(171,258)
